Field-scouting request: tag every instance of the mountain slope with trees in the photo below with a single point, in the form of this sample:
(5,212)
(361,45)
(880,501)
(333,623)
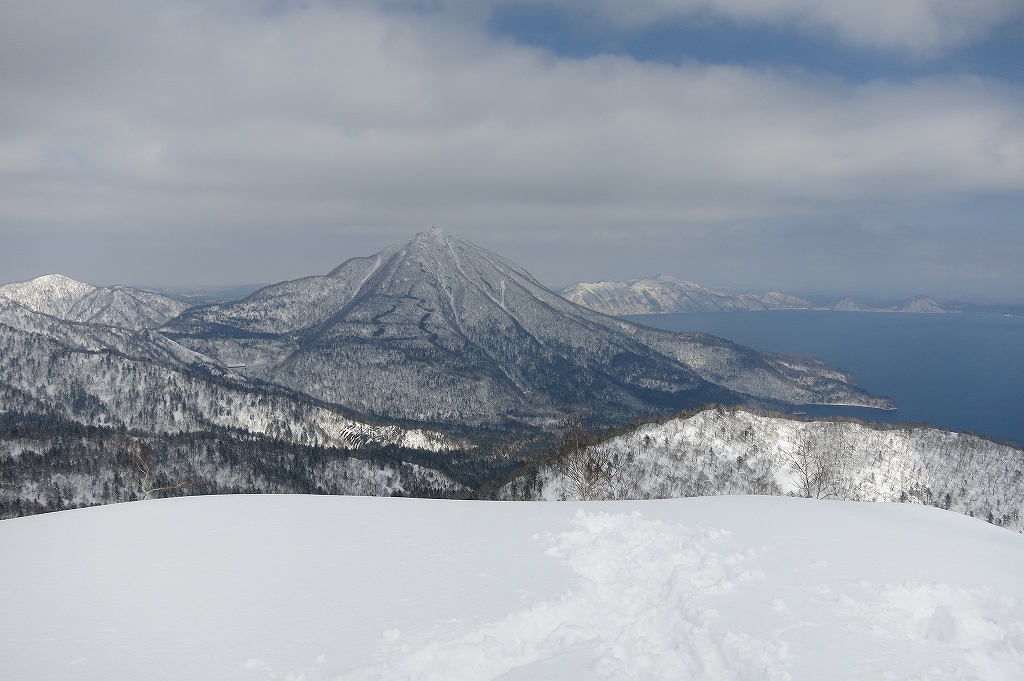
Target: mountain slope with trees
(735,451)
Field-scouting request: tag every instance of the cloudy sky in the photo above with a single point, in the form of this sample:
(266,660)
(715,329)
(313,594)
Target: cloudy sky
(871,147)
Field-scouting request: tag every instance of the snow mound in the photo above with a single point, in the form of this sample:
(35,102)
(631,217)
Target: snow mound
(645,608)
(75,301)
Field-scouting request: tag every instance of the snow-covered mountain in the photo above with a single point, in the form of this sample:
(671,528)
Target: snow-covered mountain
(664,294)
(733,451)
(247,587)
(436,329)
(52,294)
(108,376)
(918,305)
(74,301)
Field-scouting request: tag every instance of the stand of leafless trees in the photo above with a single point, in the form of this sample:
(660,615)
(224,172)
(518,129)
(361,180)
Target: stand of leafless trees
(820,462)
(586,469)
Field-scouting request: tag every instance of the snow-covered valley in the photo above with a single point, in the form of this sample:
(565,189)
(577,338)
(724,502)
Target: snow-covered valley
(316,588)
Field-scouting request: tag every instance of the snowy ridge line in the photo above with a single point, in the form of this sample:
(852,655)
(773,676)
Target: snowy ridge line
(643,609)
(150,347)
(53,294)
(98,338)
(734,451)
(667,295)
(70,300)
(103,387)
(664,295)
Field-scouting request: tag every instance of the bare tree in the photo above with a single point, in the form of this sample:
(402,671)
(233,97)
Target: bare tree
(819,463)
(586,468)
(141,455)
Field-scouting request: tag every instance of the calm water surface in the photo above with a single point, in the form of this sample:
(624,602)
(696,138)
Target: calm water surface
(957,371)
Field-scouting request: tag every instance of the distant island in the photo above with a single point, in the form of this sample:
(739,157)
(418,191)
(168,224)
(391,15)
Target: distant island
(666,295)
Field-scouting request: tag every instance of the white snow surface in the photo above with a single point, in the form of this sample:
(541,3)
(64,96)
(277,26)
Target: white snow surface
(297,587)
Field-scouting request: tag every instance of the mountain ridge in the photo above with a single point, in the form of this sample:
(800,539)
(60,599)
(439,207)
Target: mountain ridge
(432,331)
(438,329)
(717,450)
(75,301)
(667,295)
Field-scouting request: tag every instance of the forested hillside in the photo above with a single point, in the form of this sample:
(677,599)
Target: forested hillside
(731,451)
(99,385)
(50,464)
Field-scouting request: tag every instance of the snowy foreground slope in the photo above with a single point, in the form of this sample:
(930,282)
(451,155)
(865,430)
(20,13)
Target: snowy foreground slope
(297,587)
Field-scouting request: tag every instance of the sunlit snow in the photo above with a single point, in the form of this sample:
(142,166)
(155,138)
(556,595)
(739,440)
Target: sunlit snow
(296,587)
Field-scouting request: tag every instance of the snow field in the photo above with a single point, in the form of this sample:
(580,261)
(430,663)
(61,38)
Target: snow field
(636,614)
(317,588)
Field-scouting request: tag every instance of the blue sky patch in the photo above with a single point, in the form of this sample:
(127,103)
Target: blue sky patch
(716,40)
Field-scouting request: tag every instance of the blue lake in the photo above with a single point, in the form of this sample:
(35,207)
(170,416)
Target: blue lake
(957,371)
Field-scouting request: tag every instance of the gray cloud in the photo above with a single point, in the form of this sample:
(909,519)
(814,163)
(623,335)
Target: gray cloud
(217,143)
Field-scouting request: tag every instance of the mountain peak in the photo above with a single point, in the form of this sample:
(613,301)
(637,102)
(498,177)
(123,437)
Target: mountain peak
(434,234)
(435,238)
(48,282)
(75,301)
(52,294)
(432,240)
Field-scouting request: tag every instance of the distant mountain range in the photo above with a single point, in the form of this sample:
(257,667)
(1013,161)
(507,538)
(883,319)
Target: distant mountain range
(664,295)
(433,331)
(116,376)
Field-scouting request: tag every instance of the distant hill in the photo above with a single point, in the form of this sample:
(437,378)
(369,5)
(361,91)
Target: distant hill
(666,295)
(918,305)
(74,301)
